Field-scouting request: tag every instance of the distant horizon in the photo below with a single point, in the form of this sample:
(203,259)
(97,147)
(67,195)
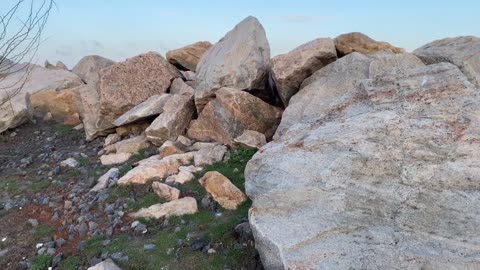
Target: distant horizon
(122,29)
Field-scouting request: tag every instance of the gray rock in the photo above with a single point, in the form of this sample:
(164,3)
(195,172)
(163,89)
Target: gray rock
(177,114)
(239,60)
(151,107)
(149,247)
(464,52)
(108,264)
(389,180)
(209,154)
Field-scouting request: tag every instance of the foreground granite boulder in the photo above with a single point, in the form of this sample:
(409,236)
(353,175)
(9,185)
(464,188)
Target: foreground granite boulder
(290,69)
(239,60)
(464,52)
(387,176)
(230,114)
(18,86)
(187,58)
(358,42)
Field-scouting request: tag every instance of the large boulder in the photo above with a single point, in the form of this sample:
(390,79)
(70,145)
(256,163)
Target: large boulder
(186,58)
(239,60)
(64,105)
(463,52)
(153,106)
(290,69)
(335,85)
(388,180)
(230,114)
(18,85)
(358,42)
(173,121)
(88,69)
(127,84)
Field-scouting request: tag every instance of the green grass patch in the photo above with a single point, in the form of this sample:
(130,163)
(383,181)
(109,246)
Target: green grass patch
(70,263)
(118,192)
(84,161)
(43,231)
(41,262)
(64,130)
(124,169)
(146,201)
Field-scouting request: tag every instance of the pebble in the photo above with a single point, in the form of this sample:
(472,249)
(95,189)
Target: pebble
(148,247)
(33,222)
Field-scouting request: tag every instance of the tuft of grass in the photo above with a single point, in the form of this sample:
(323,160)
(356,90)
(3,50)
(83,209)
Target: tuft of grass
(70,263)
(84,161)
(41,262)
(63,130)
(141,155)
(40,185)
(118,192)
(93,247)
(43,231)
(124,169)
(146,201)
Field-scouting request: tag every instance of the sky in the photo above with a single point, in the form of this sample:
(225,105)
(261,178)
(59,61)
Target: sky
(119,29)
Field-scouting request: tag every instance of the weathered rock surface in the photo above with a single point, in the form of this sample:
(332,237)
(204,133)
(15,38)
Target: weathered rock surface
(239,60)
(183,206)
(209,153)
(134,129)
(358,42)
(151,107)
(108,264)
(179,87)
(115,159)
(127,84)
(170,148)
(187,58)
(386,180)
(15,105)
(463,52)
(132,145)
(165,192)
(181,177)
(155,168)
(177,114)
(290,69)
(222,190)
(61,65)
(251,139)
(88,69)
(64,105)
(104,180)
(230,114)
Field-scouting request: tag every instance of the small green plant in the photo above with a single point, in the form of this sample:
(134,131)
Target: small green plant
(64,130)
(41,262)
(84,161)
(146,201)
(124,169)
(43,231)
(70,263)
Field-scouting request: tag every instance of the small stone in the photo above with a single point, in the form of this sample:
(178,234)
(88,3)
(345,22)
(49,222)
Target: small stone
(57,259)
(33,222)
(115,159)
(148,247)
(69,162)
(165,192)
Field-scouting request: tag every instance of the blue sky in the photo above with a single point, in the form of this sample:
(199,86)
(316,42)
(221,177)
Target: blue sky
(118,29)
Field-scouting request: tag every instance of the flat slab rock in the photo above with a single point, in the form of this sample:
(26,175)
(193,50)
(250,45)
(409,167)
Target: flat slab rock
(222,190)
(180,207)
(108,264)
(156,168)
(388,179)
